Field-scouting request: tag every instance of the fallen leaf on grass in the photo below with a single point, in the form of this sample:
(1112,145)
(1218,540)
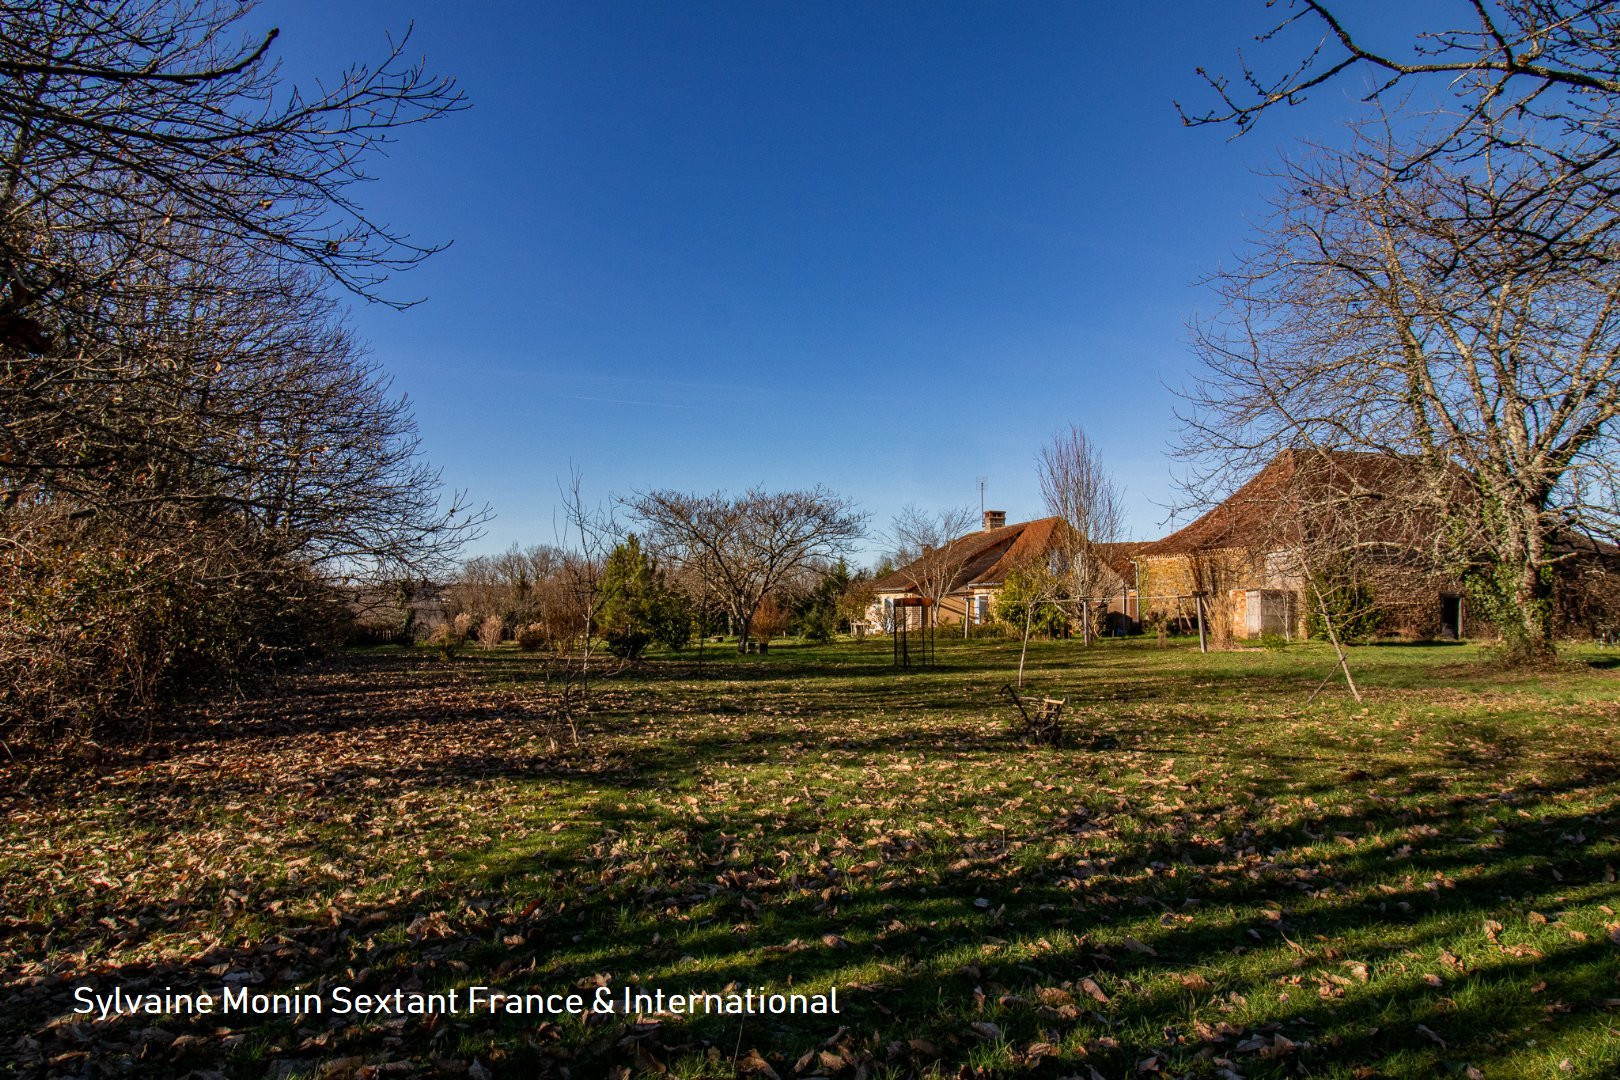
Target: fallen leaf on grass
(753,1063)
(1281,1046)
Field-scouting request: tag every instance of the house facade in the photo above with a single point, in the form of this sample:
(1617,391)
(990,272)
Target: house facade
(1247,565)
(958,583)
(1244,568)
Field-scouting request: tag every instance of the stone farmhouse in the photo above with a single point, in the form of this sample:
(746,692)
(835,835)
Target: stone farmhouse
(1239,570)
(969,572)
(1242,567)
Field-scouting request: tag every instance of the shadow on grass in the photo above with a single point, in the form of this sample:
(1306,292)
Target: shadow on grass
(1205,922)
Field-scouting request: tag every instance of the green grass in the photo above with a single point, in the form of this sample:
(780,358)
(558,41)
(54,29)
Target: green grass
(1210,877)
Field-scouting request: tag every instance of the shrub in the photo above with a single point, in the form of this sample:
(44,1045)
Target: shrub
(672,622)
(99,629)
(1159,623)
(1029,595)
(1349,602)
(444,638)
(816,614)
(769,620)
(490,631)
(532,638)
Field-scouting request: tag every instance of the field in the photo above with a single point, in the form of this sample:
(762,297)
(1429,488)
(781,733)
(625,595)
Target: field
(1210,878)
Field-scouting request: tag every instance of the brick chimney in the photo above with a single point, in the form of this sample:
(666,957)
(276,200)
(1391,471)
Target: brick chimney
(994,519)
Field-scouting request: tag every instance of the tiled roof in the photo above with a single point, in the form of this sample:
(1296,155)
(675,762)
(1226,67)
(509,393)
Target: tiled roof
(984,557)
(1035,539)
(1118,556)
(1264,513)
(987,557)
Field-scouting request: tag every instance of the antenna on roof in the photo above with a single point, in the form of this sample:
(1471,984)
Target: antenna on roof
(982,479)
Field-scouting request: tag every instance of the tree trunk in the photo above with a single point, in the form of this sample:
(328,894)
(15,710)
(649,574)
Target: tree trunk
(1530,635)
(1023,650)
(1338,649)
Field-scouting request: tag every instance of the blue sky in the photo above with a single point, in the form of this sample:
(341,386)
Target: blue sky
(885,247)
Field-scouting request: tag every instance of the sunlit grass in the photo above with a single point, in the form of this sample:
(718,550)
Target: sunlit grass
(1416,885)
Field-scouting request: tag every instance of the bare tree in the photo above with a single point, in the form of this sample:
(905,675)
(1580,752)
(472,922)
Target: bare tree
(253,402)
(1508,56)
(170,217)
(1531,79)
(118,120)
(741,547)
(929,550)
(1030,599)
(194,450)
(510,584)
(233,451)
(1390,308)
(592,532)
(1079,491)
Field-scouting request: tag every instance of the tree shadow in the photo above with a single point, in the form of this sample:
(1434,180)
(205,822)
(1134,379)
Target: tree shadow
(926,934)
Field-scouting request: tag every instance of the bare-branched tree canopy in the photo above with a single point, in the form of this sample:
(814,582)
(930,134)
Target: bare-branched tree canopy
(740,548)
(1079,491)
(1443,290)
(1539,79)
(193,447)
(1389,308)
(515,585)
(1541,59)
(254,401)
(927,552)
(119,120)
